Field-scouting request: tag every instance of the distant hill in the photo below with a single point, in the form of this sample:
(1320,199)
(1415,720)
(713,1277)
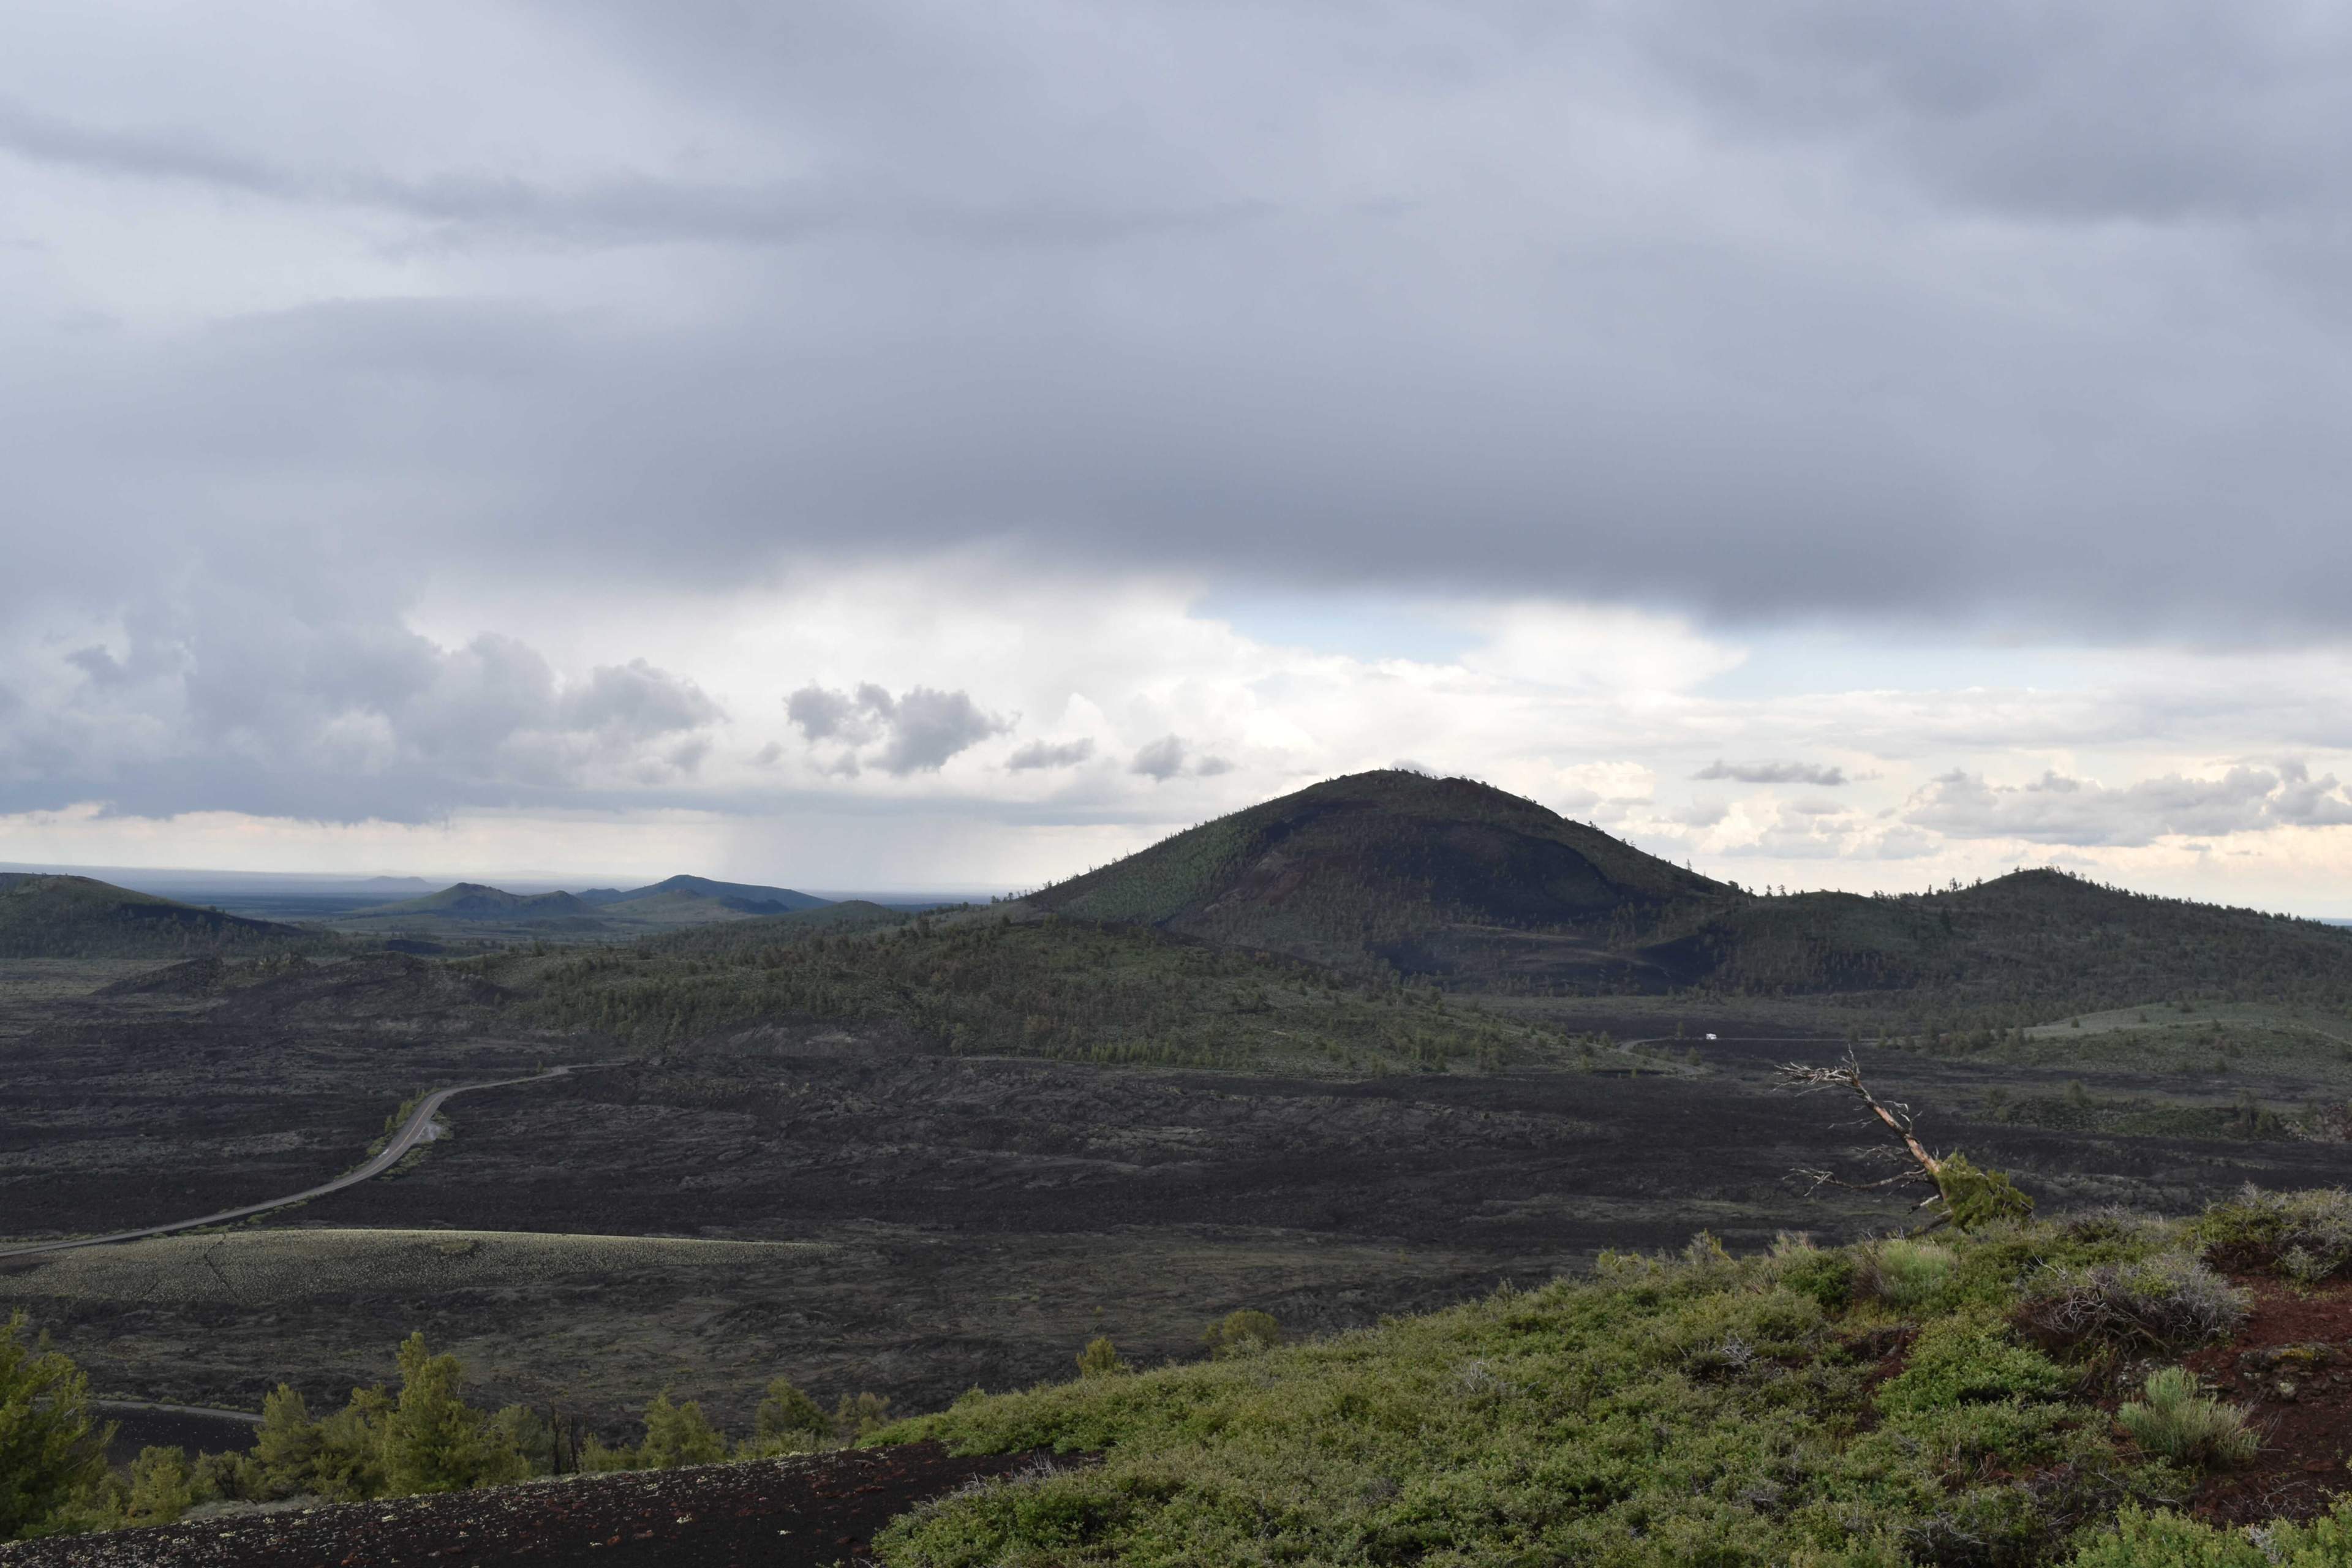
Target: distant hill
(731,940)
(1396,869)
(56,916)
(1454,881)
(475,901)
(677,901)
(2039,939)
(741,898)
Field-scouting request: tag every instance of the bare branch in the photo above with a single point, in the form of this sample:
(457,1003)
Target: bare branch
(1965,1194)
(1894,1115)
(1815,1180)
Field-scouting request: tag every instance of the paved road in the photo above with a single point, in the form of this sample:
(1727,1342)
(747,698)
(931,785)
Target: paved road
(413,1131)
(148,1406)
(1702,1039)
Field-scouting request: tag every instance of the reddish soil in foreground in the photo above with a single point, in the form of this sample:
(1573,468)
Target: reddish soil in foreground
(2291,1369)
(773,1513)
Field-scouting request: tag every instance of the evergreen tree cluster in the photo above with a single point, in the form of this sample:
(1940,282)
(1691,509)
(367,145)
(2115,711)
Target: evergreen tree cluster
(993,985)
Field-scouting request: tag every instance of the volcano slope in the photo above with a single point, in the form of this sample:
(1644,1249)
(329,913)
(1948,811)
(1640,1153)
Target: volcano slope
(43,916)
(1397,871)
(1399,875)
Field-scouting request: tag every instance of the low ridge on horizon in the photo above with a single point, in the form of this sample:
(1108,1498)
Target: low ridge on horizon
(1397,872)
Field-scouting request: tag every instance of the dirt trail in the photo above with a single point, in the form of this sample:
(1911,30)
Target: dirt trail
(417,1130)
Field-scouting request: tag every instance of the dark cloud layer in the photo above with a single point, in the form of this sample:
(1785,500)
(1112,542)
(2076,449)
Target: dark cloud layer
(2032,315)
(1692,304)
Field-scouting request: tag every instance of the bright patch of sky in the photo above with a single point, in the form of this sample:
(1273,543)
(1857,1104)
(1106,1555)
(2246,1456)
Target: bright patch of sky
(1362,625)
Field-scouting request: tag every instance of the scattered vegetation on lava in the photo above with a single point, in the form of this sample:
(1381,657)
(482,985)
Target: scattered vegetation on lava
(2013,1393)
(1887,1404)
(992,984)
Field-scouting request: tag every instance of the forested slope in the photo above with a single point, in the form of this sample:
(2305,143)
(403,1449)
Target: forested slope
(2032,943)
(1398,871)
(1000,984)
(45,916)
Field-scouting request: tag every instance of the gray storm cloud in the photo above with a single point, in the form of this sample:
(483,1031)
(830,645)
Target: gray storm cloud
(1170,756)
(1051,755)
(2025,314)
(918,732)
(1819,774)
(1160,760)
(1788,379)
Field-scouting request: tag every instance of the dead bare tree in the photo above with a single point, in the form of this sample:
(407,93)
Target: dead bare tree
(1964,1195)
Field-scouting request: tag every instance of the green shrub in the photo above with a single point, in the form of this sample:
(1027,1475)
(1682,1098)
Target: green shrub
(2179,1422)
(2110,1222)
(2307,1237)
(860,1416)
(1663,1411)
(1977,1195)
(161,1488)
(1826,1277)
(2166,1540)
(1101,1359)
(1904,1274)
(788,1420)
(595,1458)
(234,1476)
(2170,1302)
(1957,1362)
(1243,1332)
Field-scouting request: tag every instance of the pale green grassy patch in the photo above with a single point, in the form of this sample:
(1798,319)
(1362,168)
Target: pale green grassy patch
(289,1264)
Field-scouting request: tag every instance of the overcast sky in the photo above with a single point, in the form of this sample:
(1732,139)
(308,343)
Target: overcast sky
(927,446)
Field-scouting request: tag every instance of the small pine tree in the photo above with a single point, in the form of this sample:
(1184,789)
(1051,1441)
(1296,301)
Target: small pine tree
(1101,1359)
(349,1464)
(162,1489)
(287,1446)
(860,1417)
(1245,1332)
(595,1458)
(788,1419)
(434,1441)
(529,1434)
(50,1449)
(678,1435)
(234,1476)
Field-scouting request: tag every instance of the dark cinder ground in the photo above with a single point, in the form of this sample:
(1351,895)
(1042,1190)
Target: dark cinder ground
(863,1215)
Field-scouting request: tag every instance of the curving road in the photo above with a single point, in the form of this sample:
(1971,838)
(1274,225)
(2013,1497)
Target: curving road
(413,1131)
